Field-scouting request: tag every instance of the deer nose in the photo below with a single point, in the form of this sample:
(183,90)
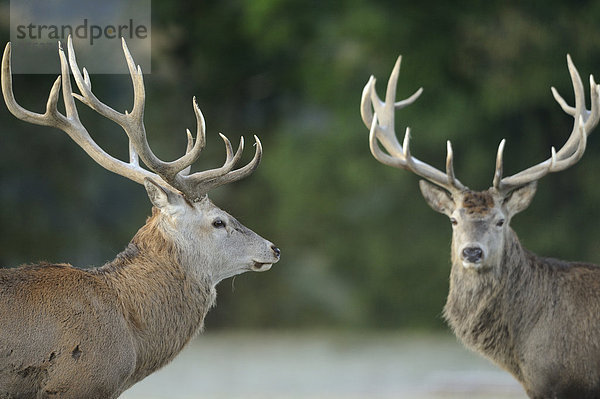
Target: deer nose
(276,251)
(472,254)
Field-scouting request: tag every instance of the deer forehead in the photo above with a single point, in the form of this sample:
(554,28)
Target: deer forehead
(202,212)
(478,203)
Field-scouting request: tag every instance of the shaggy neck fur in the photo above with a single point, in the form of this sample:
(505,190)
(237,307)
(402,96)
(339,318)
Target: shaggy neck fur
(163,302)
(485,309)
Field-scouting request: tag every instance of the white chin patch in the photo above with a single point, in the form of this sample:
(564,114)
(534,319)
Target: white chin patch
(261,267)
(471,265)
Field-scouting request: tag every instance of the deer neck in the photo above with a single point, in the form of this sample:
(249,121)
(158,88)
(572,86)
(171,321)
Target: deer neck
(162,302)
(480,307)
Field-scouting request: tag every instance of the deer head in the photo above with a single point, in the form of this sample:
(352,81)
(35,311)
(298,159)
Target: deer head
(208,240)
(211,241)
(480,220)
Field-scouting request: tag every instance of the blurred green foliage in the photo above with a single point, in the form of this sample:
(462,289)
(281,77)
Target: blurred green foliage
(361,249)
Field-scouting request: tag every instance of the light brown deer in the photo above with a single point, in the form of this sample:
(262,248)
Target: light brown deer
(72,333)
(538,318)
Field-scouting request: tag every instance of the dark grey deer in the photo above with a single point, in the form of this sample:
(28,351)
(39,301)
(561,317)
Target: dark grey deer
(71,333)
(538,318)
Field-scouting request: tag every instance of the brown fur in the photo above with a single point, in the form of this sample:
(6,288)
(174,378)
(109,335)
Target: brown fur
(104,328)
(70,333)
(477,202)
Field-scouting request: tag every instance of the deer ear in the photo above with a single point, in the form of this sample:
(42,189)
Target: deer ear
(518,200)
(437,198)
(162,198)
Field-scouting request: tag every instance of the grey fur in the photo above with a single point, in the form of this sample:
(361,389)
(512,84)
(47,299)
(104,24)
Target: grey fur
(538,318)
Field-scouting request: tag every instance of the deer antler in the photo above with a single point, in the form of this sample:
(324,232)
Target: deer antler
(381,124)
(382,130)
(572,151)
(70,122)
(174,174)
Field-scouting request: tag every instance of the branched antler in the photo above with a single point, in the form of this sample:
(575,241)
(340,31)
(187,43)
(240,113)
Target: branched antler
(175,174)
(379,117)
(584,122)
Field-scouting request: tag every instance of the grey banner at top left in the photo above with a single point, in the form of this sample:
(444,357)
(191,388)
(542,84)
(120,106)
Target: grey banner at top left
(36,27)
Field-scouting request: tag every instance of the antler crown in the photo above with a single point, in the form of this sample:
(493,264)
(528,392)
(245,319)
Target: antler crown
(174,174)
(379,117)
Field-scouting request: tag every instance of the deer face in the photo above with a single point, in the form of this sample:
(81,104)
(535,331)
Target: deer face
(480,221)
(212,242)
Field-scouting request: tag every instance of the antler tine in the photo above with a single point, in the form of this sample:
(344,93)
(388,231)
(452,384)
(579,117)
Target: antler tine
(68,100)
(578,110)
(499,165)
(201,183)
(45,119)
(190,145)
(230,161)
(366,108)
(573,149)
(450,164)
(200,136)
(379,117)
(370,99)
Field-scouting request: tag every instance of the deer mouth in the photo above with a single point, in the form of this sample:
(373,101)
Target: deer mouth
(472,265)
(479,267)
(261,267)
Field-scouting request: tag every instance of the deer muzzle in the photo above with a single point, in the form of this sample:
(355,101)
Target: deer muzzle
(261,266)
(472,256)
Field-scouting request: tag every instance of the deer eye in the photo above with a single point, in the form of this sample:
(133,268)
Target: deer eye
(453,221)
(500,223)
(218,223)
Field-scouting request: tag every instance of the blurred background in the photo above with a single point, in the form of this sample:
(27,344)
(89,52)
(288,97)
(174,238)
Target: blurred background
(361,250)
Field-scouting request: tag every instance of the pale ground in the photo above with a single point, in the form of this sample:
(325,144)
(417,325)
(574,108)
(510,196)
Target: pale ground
(327,366)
